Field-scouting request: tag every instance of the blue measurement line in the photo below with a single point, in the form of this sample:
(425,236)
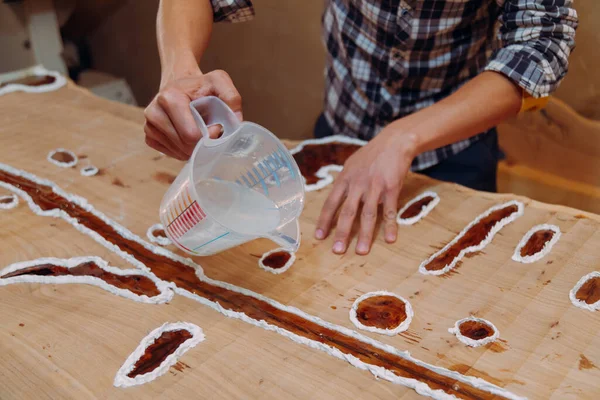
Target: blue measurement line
(210,241)
(252,178)
(264,170)
(262,181)
(288,163)
(268,166)
(246,181)
(272,160)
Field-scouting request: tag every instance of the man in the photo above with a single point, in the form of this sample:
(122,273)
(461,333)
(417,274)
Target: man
(425,81)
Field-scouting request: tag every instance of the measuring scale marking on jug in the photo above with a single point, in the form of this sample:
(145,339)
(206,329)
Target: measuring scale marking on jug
(234,189)
(269,167)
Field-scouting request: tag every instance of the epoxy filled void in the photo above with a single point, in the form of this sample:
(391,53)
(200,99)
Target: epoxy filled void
(32,80)
(473,236)
(589,292)
(159,233)
(415,209)
(475,330)
(383,312)
(314,156)
(536,242)
(137,284)
(165,345)
(277,259)
(63,157)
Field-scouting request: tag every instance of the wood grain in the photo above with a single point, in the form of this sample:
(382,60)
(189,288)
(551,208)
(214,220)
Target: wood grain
(68,341)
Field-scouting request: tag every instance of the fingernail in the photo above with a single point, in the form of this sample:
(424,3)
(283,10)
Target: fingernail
(319,234)
(362,248)
(338,247)
(239,115)
(390,237)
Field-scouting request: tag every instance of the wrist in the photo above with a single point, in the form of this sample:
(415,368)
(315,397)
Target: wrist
(180,64)
(404,139)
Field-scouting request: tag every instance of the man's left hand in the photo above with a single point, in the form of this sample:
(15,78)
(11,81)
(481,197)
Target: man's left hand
(373,175)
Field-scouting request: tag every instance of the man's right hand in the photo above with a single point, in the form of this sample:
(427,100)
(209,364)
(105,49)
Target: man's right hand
(170,127)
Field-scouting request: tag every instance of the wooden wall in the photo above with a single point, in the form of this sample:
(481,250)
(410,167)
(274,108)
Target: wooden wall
(276,60)
(581,87)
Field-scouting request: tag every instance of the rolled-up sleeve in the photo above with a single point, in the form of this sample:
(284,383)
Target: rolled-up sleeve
(537,38)
(232,10)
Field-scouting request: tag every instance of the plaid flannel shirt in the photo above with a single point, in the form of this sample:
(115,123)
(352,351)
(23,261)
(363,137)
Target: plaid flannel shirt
(387,59)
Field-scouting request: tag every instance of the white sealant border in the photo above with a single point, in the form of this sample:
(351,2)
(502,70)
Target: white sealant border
(93,170)
(580,303)
(59,163)
(12,204)
(424,211)
(324,173)
(495,229)
(38,70)
(390,332)
(472,342)
(544,251)
(162,241)
(379,372)
(121,378)
(281,270)
(166,294)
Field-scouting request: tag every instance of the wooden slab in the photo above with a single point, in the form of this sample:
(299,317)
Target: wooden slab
(555,140)
(68,341)
(553,155)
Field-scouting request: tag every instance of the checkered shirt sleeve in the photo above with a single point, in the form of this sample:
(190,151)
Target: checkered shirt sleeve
(232,10)
(537,37)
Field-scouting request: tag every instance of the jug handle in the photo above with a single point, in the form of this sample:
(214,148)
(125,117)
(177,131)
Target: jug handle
(211,110)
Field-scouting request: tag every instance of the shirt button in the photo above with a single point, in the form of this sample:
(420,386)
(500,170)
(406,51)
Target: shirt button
(404,12)
(396,54)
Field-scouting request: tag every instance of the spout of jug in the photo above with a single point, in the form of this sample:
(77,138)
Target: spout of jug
(287,236)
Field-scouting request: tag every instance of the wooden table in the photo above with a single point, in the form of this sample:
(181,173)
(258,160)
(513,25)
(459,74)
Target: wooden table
(68,341)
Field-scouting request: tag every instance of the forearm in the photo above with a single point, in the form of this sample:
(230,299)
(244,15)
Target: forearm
(480,104)
(183,32)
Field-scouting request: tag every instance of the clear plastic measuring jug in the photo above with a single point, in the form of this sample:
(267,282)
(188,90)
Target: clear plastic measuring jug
(239,187)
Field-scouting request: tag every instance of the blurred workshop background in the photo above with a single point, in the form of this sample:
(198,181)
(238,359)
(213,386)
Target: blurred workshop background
(276,61)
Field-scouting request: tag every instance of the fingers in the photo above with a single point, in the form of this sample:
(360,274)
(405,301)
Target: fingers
(333,202)
(170,119)
(368,218)
(346,220)
(176,105)
(215,131)
(390,209)
(224,88)
(159,147)
(157,140)
(164,130)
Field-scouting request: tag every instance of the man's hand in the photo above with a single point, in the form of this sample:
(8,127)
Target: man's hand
(372,175)
(170,127)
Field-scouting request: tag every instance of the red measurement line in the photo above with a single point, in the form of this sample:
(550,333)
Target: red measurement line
(202,213)
(187,220)
(173,228)
(173,232)
(177,217)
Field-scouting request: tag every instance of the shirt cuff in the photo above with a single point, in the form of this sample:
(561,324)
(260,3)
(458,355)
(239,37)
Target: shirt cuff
(232,10)
(524,67)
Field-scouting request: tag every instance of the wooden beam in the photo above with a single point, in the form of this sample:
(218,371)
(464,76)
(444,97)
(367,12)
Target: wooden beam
(555,140)
(546,187)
